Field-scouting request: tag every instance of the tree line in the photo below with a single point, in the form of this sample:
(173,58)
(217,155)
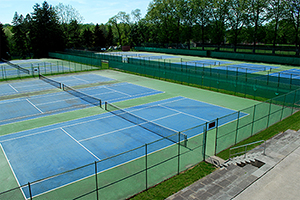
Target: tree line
(203,22)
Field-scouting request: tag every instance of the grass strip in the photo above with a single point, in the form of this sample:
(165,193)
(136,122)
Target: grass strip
(176,183)
(291,122)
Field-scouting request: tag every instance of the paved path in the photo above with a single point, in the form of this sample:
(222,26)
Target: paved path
(282,182)
(278,178)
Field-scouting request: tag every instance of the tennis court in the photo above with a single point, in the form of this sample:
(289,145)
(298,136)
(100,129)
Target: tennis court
(33,67)
(43,152)
(38,85)
(247,68)
(41,105)
(290,73)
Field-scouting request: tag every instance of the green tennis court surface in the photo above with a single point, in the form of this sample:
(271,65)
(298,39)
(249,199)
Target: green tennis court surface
(102,136)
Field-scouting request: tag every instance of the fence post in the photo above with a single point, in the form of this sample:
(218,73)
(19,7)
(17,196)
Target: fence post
(146,165)
(29,188)
(253,119)
(283,105)
(178,153)
(96,178)
(268,123)
(294,101)
(204,140)
(237,127)
(216,142)
(2,72)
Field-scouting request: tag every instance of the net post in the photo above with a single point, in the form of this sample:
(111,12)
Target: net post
(105,106)
(100,103)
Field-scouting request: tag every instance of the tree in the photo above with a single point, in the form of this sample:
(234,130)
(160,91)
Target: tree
(237,16)
(166,20)
(276,12)
(73,33)
(257,13)
(114,22)
(136,15)
(219,9)
(110,36)
(122,23)
(201,15)
(4,50)
(67,14)
(87,38)
(20,34)
(45,31)
(99,38)
(294,19)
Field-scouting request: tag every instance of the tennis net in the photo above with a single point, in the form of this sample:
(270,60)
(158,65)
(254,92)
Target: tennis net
(50,81)
(16,66)
(92,100)
(169,134)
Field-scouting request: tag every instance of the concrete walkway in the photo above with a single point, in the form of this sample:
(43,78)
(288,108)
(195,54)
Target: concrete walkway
(277,178)
(282,182)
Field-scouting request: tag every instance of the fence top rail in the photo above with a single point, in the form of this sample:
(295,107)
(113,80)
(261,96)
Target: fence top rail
(247,144)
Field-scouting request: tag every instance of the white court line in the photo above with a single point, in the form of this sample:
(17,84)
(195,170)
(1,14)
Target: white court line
(34,105)
(107,133)
(80,144)
(80,79)
(13,88)
(135,125)
(12,170)
(118,91)
(182,98)
(132,96)
(184,113)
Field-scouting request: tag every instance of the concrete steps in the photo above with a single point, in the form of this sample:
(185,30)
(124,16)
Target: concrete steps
(235,175)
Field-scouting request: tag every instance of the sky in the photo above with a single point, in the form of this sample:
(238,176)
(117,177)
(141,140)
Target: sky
(92,11)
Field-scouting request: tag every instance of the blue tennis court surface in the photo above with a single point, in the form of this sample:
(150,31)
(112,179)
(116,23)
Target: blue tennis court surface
(202,63)
(291,73)
(24,61)
(35,68)
(160,57)
(247,68)
(37,85)
(43,152)
(40,105)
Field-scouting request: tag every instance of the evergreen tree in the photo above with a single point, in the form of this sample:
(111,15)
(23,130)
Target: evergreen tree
(99,38)
(21,30)
(87,38)
(4,50)
(110,37)
(46,34)
(73,35)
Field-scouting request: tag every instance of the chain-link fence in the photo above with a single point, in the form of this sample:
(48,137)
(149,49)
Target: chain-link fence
(126,174)
(50,67)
